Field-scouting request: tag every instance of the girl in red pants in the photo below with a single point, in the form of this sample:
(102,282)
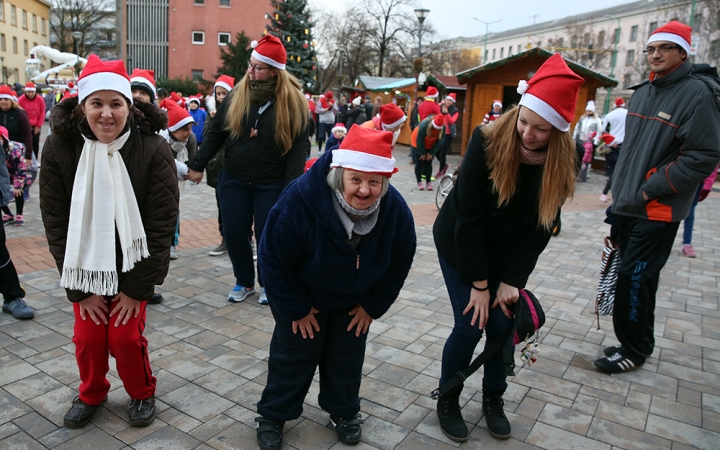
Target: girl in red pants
(109,202)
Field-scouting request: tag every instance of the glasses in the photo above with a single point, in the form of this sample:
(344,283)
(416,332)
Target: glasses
(663,49)
(254,68)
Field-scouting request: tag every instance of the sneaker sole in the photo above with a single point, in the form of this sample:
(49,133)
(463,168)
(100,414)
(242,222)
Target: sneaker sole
(216,253)
(236,300)
(144,423)
(499,436)
(454,438)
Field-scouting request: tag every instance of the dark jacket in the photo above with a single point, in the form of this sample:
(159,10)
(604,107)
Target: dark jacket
(369,107)
(19,130)
(252,159)
(305,256)
(672,143)
(151,167)
(414,117)
(481,240)
(356,116)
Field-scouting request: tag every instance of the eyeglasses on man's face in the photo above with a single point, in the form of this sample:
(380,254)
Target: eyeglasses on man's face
(662,49)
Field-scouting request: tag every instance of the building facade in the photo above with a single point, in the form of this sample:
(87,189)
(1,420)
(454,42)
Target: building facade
(183,38)
(610,40)
(24,24)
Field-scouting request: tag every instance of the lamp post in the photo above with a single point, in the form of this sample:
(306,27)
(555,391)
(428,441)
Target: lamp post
(487,30)
(613,62)
(421,14)
(343,50)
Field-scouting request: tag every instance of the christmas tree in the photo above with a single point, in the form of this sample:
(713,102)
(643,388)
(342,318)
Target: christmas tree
(290,21)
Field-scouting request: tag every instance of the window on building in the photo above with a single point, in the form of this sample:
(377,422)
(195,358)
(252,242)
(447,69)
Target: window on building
(25,47)
(197,74)
(13,15)
(198,37)
(42,26)
(199,2)
(653,27)
(519,48)
(627,81)
(502,52)
(224,2)
(586,40)
(2,42)
(715,49)
(34,24)
(633,33)
(539,43)
(601,38)
(16,72)
(613,59)
(223,38)
(561,42)
(484,58)
(510,51)
(14,45)
(24,19)
(574,42)
(630,58)
(2,10)
(494,54)
(617,35)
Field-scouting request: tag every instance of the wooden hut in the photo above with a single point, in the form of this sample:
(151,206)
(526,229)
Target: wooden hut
(498,81)
(445,85)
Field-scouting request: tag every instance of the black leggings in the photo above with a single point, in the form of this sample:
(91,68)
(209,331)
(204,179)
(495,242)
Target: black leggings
(444,149)
(19,204)
(9,282)
(423,168)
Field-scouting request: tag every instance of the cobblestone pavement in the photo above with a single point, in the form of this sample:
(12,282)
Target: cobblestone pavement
(210,356)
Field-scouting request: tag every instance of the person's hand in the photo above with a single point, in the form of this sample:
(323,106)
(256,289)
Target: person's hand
(306,325)
(212,114)
(645,197)
(18,192)
(94,307)
(479,302)
(506,296)
(360,318)
(584,166)
(703,194)
(36,130)
(28,162)
(194,175)
(125,307)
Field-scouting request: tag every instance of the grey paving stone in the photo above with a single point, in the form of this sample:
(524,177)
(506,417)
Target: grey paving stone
(548,437)
(625,437)
(167,438)
(11,408)
(383,435)
(566,419)
(13,368)
(682,433)
(20,441)
(92,440)
(35,425)
(197,402)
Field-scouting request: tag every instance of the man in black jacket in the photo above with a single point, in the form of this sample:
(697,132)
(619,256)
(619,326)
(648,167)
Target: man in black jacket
(672,143)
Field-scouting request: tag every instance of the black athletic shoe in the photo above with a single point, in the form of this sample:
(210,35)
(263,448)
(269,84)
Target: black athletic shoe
(493,408)
(609,351)
(617,363)
(142,412)
(450,417)
(156,299)
(80,413)
(269,433)
(348,430)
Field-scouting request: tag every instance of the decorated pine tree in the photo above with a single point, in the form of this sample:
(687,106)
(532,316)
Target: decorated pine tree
(290,21)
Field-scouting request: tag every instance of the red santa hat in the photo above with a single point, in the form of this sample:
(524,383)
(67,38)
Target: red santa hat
(101,75)
(391,116)
(194,98)
(431,92)
(177,117)
(675,32)
(438,122)
(30,87)
(307,96)
(70,85)
(366,150)
(225,81)
(609,139)
(452,97)
(329,95)
(4,133)
(497,103)
(6,92)
(339,127)
(619,102)
(145,80)
(270,50)
(174,96)
(552,92)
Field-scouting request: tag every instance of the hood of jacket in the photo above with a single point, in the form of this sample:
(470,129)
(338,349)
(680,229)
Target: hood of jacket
(68,121)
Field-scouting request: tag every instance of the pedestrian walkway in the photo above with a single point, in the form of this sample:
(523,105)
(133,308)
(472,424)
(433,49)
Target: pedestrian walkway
(210,356)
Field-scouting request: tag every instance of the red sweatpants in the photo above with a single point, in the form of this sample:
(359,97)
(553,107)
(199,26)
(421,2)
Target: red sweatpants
(125,343)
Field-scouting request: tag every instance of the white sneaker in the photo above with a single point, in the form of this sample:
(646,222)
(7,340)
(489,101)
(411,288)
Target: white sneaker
(263,297)
(173,253)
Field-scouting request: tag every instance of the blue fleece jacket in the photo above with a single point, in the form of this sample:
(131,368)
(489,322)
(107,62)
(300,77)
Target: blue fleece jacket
(306,260)
(199,117)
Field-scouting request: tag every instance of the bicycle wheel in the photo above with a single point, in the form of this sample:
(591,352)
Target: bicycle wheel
(444,187)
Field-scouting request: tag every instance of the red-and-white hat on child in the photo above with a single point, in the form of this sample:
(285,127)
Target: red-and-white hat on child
(366,150)
(675,32)
(30,87)
(391,116)
(270,50)
(552,92)
(178,117)
(195,98)
(339,127)
(225,81)
(146,80)
(438,122)
(452,97)
(6,92)
(101,75)
(497,103)
(431,92)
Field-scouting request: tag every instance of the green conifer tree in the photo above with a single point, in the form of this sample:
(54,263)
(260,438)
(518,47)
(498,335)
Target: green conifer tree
(235,57)
(290,21)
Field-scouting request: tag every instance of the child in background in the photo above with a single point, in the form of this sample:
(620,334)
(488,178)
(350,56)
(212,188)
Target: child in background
(19,177)
(198,115)
(338,134)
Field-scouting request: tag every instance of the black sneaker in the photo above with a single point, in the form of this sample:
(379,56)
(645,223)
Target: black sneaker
(142,412)
(156,299)
(617,363)
(450,417)
(497,423)
(219,250)
(609,351)
(80,413)
(269,433)
(348,430)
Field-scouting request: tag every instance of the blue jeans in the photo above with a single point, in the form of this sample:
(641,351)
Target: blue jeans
(459,348)
(244,207)
(689,221)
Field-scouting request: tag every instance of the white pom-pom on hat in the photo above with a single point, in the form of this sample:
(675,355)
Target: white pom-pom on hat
(254,44)
(522,87)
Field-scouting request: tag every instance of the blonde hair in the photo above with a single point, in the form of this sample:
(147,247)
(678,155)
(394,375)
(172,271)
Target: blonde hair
(503,159)
(290,109)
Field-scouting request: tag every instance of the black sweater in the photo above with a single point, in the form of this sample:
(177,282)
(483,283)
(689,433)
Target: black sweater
(479,239)
(252,159)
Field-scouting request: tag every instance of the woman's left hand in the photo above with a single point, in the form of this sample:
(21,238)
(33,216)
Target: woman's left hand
(18,192)
(125,307)
(360,318)
(506,295)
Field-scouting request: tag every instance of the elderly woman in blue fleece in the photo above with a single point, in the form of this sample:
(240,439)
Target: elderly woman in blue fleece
(335,252)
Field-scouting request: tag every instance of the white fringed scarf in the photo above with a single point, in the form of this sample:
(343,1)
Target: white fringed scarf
(102,199)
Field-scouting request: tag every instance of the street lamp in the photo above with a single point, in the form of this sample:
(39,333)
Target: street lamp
(613,62)
(343,50)
(77,35)
(487,29)
(421,14)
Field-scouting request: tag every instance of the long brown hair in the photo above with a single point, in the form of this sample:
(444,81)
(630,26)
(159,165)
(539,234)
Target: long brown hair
(503,159)
(290,109)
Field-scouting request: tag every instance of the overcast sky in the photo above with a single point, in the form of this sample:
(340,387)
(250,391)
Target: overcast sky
(453,18)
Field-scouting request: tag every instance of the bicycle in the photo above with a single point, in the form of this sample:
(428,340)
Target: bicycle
(445,185)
